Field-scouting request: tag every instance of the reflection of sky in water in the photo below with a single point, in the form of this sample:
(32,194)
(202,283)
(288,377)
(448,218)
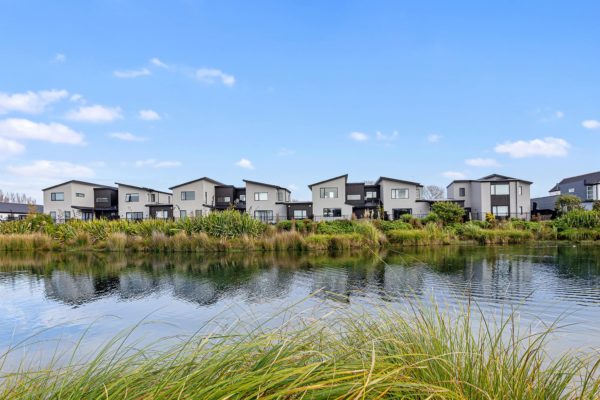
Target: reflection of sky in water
(58,297)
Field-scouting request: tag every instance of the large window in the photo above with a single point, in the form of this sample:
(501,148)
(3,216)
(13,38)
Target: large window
(57,196)
(102,200)
(300,214)
(67,216)
(261,196)
(332,212)
(500,189)
(589,192)
(161,214)
(500,211)
(132,197)
(462,192)
(329,193)
(189,195)
(242,197)
(370,195)
(399,193)
(134,216)
(264,215)
(353,197)
(280,196)
(80,195)
(224,199)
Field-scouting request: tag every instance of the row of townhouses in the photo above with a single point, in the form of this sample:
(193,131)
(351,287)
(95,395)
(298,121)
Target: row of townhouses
(334,198)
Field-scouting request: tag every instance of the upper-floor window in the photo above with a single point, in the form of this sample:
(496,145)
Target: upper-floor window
(189,195)
(462,192)
(399,193)
(57,196)
(520,190)
(329,193)
(224,199)
(280,196)
(500,189)
(571,190)
(589,192)
(102,200)
(152,197)
(353,197)
(79,194)
(418,193)
(370,195)
(132,197)
(261,196)
(242,197)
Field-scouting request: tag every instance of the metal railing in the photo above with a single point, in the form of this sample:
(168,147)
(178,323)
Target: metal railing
(501,216)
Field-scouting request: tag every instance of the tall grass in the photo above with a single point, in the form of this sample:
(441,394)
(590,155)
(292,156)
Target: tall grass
(421,354)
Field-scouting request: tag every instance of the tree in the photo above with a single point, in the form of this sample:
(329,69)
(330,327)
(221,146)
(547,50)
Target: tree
(567,202)
(10,197)
(448,212)
(432,192)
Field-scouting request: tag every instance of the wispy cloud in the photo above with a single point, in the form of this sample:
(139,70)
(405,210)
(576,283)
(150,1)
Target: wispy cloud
(127,137)
(10,148)
(285,152)
(148,115)
(158,63)
(482,162)
(132,73)
(213,75)
(24,129)
(433,138)
(51,169)
(547,147)
(30,102)
(95,114)
(154,163)
(386,138)
(591,124)
(359,136)
(453,175)
(59,58)
(245,163)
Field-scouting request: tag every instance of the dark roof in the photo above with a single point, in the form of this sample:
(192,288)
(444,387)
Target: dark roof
(589,179)
(555,188)
(296,202)
(81,183)
(327,180)
(396,180)
(490,178)
(267,184)
(18,208)
(142,188)
(204,178)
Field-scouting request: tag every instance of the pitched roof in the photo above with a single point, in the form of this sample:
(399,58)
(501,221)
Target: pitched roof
(141,188)
(345,176)
(204,178)
(396,180)
(490,178)
(79,182)
(591,178)
(267,184)
(18,208)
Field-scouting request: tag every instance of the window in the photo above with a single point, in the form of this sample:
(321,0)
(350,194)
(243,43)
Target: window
(87,215)
(264,215)
(332,212)
(520,190)
(152,197)
(224,199)
(79,194)
(280,196)
(521,210)
(57,196)
(261,196)
(205,198)
(571,190)
(370,195)
(462,192)
(242,197)
(501,189)
(500,211)
(102,200)
(132,197)
(198,213)
(399,193)
(190,195)
(161,214)
(418,193)
(67,215)
(134,216)
(353,197)
(329,193)
(300,214)
(182,214)
(53,215)
(589,192)
(397,213)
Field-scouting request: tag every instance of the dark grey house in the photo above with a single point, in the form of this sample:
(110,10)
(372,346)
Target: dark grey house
(13,211)
(586,187)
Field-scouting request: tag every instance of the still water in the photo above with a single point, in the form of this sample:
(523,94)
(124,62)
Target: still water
(55,298)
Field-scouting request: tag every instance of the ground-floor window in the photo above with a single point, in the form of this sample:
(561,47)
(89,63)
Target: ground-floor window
(87,215)
(161,214)
(182,214)
(264,215)
(299,214)
(53,215)
(500,211)
(67,216)
(399,212)
(134,216)
(198,213)
(332,212)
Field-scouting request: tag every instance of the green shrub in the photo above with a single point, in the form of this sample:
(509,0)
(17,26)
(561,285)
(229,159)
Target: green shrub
(285,225)
(448,212)
(578,219)
(336,227)
(386,226)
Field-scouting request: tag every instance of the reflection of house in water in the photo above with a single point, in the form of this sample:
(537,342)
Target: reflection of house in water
(332,283)
(402,281)
(77,289)
(268,284)
(200,291)
(134,284)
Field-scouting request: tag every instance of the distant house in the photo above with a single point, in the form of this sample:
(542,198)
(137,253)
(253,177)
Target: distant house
(586,187)
(13,211)
(194,198)
(80,200)
(137,203)
(266,202)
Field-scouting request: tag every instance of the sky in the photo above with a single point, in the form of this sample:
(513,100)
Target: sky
(294,92)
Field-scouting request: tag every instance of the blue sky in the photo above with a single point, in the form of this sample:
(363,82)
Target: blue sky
(289,92)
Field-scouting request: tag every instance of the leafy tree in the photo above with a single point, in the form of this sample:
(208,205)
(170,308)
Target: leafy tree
(448,212)
(10,197)
(432,192)
(567,202)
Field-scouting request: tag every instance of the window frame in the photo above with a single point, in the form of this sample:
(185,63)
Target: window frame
(54,196)
(302,211)
(182,214)
(352,197)
(257,197)
(494,189)
(331,212)
(396,196)
(132,197)
(134,216)
(370,194)
(188,195)
(80,195)
(589,192)
(498,214)
(462,192)
(329,189)
(268,218)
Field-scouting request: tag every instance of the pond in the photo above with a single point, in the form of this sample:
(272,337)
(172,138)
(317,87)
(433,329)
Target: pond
(48,298)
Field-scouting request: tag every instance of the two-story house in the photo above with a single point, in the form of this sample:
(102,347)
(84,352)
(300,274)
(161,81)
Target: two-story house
(499,195)
(230,196)
(586,187)
(266,202)
(137,203)
(79,200)
(194,198)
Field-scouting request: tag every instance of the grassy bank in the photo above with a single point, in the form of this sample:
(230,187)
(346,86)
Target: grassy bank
(421,354)
(232,231)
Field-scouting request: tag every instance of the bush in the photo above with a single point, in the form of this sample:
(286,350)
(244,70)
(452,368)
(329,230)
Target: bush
(386,226)
(596,206)
(448,212)
(578,219)
(284,225)
(566,203)
(336,227)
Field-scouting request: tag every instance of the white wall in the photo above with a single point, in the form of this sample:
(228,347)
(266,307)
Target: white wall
(205,194)
(389,204)
(319,204)
(70,199)
(279,210)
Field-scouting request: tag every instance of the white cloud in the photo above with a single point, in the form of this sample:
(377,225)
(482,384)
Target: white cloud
(591,124)
(154,163)
(433,138)
(51,169)
(128,137)
(148,115)
(95,114)
(453,175)
(30,102)
(132,73)
(386,138)
(547,147)
(9,148)
(482,162)
(157,63)
(284,152)
(59,58)
(76,98)
(245,163)
(24,129)
(212,75)
(559,114)
(359,136)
